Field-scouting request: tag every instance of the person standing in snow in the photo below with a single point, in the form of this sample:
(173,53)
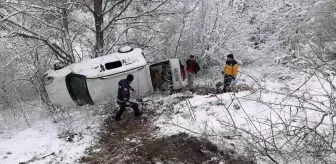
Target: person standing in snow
(192,69)
(230,72)
(124,97)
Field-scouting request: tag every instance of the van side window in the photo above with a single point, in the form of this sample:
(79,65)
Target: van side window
(113,65)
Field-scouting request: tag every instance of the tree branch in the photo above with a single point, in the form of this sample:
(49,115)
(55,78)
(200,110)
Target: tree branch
(5,18)
(142,14)
(118,15)
(113,7)
(52,46)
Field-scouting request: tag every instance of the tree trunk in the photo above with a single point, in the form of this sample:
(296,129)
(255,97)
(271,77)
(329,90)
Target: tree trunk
(67,35)
(98,16)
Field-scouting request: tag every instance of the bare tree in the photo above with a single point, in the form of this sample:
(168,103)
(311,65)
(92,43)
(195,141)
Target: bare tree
(50,25)
(109,14)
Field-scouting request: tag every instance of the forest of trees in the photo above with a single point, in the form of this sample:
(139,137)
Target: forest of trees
(36,34)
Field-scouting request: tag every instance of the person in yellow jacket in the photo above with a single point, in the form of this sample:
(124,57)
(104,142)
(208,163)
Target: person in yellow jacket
(230,72)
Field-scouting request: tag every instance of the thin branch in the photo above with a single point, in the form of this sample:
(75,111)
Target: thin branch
(118,15)
(113,7)
(5,18)
(142,14)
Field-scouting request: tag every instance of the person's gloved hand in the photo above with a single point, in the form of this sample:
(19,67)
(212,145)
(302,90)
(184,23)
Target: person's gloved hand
(128,103)
(132,89)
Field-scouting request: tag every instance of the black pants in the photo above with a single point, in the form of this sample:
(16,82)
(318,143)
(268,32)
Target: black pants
(227,83)
(123,106)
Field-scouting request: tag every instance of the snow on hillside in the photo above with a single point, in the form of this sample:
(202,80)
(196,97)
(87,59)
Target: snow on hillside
(62,138)
(231,119)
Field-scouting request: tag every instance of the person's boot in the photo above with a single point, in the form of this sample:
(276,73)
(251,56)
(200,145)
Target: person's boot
(138,113)
(119,113)
(117,118)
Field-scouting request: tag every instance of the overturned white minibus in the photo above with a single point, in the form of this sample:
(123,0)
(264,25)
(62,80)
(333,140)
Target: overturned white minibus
(95,81)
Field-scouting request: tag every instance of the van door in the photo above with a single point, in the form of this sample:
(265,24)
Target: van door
(176,73)
(161,76)
(78,90)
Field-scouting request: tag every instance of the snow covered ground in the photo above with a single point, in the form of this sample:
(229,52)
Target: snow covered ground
(231,119)
(61,138)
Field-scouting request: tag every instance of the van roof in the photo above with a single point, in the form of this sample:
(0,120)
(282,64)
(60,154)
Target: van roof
(92,68)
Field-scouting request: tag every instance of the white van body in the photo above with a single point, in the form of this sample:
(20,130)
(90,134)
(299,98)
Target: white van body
(95,81)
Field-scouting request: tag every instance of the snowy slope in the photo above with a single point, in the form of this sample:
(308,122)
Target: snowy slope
(215,117)
(45,141)
(261,114)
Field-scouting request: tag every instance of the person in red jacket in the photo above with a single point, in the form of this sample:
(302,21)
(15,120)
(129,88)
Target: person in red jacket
(192,69)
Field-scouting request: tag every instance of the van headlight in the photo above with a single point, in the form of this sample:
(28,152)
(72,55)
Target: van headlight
(48,80)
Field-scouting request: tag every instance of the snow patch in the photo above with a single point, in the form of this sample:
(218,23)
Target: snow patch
(44,141)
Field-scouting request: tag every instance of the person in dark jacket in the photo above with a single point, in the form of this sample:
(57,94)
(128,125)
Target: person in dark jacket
(192,69)
(230,72)
(124,97)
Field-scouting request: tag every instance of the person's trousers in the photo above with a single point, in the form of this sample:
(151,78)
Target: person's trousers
(227,83)
(191,77)
(123,106)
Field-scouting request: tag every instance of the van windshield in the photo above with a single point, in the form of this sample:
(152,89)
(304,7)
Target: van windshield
(78,90)
(161,76)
